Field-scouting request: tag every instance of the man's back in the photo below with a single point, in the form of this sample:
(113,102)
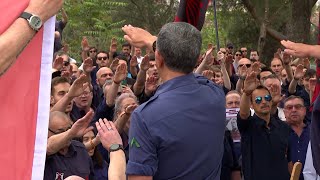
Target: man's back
(178,133)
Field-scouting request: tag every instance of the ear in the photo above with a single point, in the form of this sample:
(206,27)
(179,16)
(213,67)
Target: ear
(159,60)
(97,81)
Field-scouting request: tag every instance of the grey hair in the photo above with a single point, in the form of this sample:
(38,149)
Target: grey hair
(179,44)
(119,100)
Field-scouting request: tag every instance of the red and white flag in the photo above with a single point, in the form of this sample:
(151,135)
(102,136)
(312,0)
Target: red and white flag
(25,101)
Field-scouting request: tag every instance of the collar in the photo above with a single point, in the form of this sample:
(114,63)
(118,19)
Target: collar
(176,82)
(261,122)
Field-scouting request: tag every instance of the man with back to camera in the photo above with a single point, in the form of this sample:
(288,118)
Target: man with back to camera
(174,144)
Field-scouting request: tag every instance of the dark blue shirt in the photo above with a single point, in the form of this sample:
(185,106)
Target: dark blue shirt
(298,147)
(75,162)
(169,134)
(264,150)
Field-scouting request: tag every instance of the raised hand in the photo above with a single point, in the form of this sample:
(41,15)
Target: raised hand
(255,67)
(80,127)
(85,44)
(151,85)
(113,46)
(44,8)
(65,48)
(286,58)
(208,74)
(250,83)
(58,63)
(275,93)
(145,65)
(296,49)
(306,63)
(114,64)
(130,108)
(298,74)
(228,59)
(127,89)
(78,86)
(121,73)
(88,66)
(138,37)
(108,133)
(208,58)
(243,71)
(134,61)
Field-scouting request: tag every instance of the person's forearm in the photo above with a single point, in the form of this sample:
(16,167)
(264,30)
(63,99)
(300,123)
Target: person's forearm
(91,144)
(245,106)
(112,94)
(314,51)
(64,16)
(139,84)
(288,69)
(84,55)
(13,41)
(121,122)
(62,104)
(229,69)
(133,71)
(292,86)
(109,62)
(57,142)
(117,166)
(226,79)
(201,67)
(239,86)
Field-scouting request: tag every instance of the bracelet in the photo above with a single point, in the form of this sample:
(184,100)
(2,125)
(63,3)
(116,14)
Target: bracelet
(92,145)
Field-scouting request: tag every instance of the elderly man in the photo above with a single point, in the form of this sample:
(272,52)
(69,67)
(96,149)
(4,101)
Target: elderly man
(178,136)
(295,113)
(66,157)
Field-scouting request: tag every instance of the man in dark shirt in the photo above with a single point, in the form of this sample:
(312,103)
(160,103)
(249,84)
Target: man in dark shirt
(66,157)
(264,139)
(189,109)
(295,113)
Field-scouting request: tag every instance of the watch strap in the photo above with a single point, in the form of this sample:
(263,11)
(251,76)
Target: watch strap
(25,15)
(119,147)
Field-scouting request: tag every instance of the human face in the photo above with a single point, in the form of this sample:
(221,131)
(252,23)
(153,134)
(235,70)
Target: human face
(223,50)
(60,90)
(75,71)
(153,71)
(237,56)
(84,100)
(263,75)
(102,59)
(244,51)
(57,126)
(264,107)
(276,66)
(272,81)
(137,52)
(244,62)
(218,78)
(254,55)
(92,53)
(89,136)
(283,75)
(126,50)
(103,75)
(233,101)
(294,111)
(306,83)
(66,63)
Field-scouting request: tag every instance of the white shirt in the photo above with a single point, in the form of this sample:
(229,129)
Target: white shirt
(309,173)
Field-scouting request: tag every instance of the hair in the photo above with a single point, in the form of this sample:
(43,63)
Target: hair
(121,57)
(233,92)
(264,69)
(272,76)
(276,59)
(59,114)
(253,50)
(126,44)
(179,44)
(152,57)
(58,80)
(293,97)
(260,87)
(60,53)
(105,52)
(310,73)
(118,103)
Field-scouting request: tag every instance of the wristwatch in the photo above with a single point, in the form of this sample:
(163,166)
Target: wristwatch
(115,147)
(34,21)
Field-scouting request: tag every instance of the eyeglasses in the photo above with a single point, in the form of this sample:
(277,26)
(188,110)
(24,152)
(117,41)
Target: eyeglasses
(244,51)
(248,65)
(85,93)
(66,63)
(103,58)
(296,106)
(92,51)
(60,131)
(267,98)
(238,54)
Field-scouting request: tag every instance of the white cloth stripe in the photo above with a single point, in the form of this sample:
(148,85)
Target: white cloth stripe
(43,101)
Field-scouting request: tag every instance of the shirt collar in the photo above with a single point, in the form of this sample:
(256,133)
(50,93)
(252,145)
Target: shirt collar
(261,122)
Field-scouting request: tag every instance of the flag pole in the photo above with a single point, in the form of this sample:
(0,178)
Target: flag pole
(216,23)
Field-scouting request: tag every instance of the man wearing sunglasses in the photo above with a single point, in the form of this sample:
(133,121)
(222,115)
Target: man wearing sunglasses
(264,139)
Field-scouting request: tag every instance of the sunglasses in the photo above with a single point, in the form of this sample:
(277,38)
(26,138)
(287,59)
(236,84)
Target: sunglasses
(248,65)
(102,58)
(297,107)
(238,54)
(267,98)
(93,51)
(66,63)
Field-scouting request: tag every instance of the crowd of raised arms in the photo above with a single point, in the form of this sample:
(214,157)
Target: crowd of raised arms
(154,107)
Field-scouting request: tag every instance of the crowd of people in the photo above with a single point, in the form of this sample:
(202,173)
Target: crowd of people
(120,113)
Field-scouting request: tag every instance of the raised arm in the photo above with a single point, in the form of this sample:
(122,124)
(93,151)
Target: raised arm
(64,16)
(133,66)
(286,63)
(297,76)
(250,85)
(141,78)
(120,75)
(301,50)
(225,75)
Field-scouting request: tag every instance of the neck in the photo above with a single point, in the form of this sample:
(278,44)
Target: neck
(265,117)
(298,128)
(168,75)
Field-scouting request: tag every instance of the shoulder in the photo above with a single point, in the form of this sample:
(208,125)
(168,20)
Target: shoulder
(78,144)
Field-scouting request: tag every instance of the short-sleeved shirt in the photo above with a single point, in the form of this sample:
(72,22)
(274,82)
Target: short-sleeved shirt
(298,146)
(179,132)
(75,162)
(264,150)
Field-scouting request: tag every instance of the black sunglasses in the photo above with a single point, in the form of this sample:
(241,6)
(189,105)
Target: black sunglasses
(66,63)
(102,58)
(93,51)
(248,65)
(258,99)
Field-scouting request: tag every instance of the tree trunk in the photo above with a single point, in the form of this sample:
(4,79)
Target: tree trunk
(263,28)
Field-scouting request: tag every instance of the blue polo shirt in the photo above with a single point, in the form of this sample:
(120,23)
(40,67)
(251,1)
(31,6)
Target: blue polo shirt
(298,146)
(178,133)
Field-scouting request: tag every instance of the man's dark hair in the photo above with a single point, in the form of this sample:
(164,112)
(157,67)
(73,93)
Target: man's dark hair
(264,69)
(152,57)
(272,76)
(253,50)
(310,73)
(58,80)
(126,44)
(88,53)
(60,53)
(260,87)
(121,57)
(179,44)
(293,97)
(105,52)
